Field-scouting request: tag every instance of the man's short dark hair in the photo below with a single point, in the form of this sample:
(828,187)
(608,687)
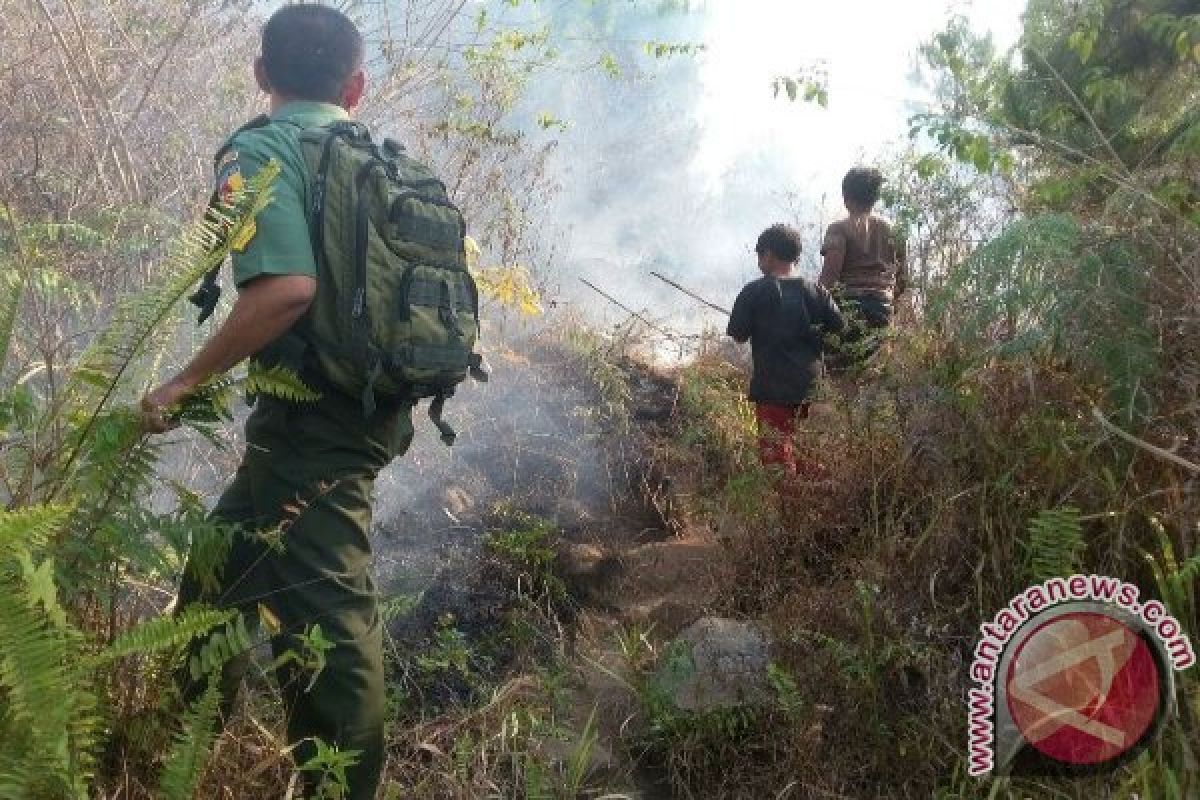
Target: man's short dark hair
(861,187)
(782,241)
(310,51)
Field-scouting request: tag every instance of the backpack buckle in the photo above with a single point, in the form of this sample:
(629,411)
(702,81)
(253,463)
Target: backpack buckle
(448,434)
(477,368)
(206,298)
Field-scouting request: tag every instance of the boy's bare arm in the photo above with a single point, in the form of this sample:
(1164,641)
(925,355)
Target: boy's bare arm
(831,269)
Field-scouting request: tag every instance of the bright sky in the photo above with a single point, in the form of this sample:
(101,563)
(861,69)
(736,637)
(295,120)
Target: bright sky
(869,46)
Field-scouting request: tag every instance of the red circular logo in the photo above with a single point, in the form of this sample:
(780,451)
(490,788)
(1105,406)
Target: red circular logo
(1083,688)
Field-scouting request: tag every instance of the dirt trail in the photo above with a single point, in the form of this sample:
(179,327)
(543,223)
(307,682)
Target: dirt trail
(534,441)
(645,576)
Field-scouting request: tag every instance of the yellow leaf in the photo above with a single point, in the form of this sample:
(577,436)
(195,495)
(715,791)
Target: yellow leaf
(269,620)
(244,236)
(510,286)
(473,253)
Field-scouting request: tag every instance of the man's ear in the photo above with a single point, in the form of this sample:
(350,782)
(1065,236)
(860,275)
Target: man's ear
(260,75)
(352,92)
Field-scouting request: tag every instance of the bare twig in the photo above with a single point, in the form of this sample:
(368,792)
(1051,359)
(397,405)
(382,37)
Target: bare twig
(691,294)
(122,153)
(625,308)
(75,81)
(1086,112)
(168,53)
(1166,455)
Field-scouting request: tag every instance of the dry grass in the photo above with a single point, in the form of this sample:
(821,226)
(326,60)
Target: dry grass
(875,581)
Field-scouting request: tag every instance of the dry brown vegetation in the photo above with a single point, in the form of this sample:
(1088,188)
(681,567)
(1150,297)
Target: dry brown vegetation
(597,505)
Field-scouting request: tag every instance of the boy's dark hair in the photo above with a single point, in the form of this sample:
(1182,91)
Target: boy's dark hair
(861,187)
(782,241)
(309,52)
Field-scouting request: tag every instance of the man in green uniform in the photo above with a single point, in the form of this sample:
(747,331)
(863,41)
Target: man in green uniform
(308,469)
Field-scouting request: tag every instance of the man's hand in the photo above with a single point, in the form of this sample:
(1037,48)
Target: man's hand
(157,404)
(266,308)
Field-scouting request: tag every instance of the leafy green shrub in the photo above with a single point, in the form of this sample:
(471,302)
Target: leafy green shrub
(77,472)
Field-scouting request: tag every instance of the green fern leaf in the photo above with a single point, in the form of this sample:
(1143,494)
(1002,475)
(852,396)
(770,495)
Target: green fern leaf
(105,367)
(47,706)
(200,249)
(210,547)
(1175,580)
(1055,543)
(279,382)
(30,528)
(193,745)
(40,589)
(162,633)
(211,403)
(222,647)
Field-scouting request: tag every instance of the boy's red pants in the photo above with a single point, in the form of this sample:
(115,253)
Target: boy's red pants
(776,432)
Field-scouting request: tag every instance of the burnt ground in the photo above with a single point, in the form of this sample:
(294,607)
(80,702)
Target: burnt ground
(536,443)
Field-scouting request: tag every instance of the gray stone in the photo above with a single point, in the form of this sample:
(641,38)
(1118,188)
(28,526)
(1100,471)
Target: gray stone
(727,665)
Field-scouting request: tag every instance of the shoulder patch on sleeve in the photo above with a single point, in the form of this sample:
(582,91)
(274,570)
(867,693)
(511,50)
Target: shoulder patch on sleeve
(229,183)
(229,176)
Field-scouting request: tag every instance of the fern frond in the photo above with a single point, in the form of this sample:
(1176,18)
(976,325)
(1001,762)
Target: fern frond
(209,552)
(45,699)
(222,647)
(200,249)
(164,633)
(211,403)
(26,771)
(30,528)
(192,747)
(41,590)
(278,382)
(105,365)
(118,464)
(111,475)
(1175,580)
(157,546)
(1055,543)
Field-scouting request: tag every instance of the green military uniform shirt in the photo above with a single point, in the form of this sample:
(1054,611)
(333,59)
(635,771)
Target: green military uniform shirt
(281,244)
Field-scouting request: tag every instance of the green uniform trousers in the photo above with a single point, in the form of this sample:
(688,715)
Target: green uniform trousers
(310,468)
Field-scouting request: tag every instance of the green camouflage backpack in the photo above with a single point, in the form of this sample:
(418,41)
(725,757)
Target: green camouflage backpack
(396,314)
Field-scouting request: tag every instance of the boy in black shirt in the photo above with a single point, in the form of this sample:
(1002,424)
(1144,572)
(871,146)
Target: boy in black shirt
(785,317)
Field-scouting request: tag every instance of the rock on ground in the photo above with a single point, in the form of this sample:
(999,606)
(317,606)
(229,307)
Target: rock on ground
(728,667)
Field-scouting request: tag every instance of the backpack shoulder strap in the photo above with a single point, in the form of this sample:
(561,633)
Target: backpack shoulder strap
(323,140)
(261,121)
(206,297)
